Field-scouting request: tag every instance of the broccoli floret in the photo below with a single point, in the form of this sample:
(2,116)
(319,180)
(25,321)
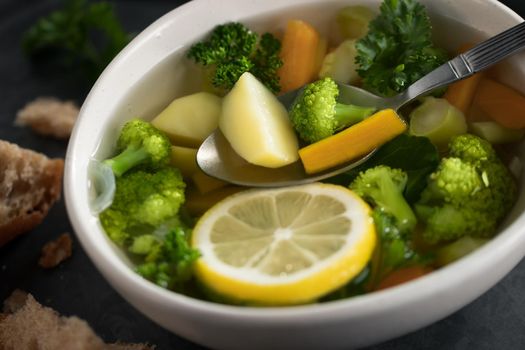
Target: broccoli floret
(394,219)
(147,244)
(142,202)
(469,193)
(394,249)
(140,142)
(383,187)
(472,149)
(315,113)
(232,49)
(169,261)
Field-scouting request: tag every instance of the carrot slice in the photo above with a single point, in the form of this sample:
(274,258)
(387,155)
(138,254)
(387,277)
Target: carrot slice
(355,141)
(461,93)
(501,103)
(403,275)
(300,55)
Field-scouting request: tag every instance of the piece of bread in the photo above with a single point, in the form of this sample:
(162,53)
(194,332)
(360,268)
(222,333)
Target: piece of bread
(49,116)
(26,324)
(56,251)
(30,183)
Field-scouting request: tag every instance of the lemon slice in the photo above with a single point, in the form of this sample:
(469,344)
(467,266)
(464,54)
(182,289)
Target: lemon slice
(284,246)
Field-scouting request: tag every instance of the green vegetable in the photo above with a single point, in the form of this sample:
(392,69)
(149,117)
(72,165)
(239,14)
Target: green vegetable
(339,64)
(383,187)
(458,249)
(143,201)
(394,249)
(145,244)
(496,133)
(469,193)
(353,21)
(232,49)
(438,120)
(140,143)
(315,113)
(169,260)
(357,286)
(82,37)
(398,48)
(416,156)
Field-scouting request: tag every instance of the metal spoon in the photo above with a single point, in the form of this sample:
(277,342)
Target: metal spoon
(216,157)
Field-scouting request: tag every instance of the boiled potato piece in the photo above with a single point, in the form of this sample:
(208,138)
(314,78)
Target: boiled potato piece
(198,203)
(256,124)
(205,183)
(184,159)
(190,119)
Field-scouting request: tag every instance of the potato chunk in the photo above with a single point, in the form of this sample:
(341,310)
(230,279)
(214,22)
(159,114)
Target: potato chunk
(184,159)
(257,126)
(190,119)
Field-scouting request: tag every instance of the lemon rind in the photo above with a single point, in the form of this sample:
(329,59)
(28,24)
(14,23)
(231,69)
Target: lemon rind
(297,288)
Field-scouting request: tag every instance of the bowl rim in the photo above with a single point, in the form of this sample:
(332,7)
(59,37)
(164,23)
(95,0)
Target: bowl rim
(119,275)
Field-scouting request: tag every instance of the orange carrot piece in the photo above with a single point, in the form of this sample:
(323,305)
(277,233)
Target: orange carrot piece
(464,48)
(403,275)
(461,93)
(299,53)
(501,103)
(353,142)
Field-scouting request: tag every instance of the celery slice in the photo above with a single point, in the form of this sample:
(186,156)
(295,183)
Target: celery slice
(340,64)
(496,133)
(438,120)
(353,21)
(458,249)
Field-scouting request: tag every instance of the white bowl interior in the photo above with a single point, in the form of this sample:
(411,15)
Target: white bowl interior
(152,71)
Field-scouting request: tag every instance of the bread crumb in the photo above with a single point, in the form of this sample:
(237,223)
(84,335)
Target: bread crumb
(49,116)
(56,251)
(33,326)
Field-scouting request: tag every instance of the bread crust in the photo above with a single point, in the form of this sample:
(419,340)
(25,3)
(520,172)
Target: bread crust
(30,183)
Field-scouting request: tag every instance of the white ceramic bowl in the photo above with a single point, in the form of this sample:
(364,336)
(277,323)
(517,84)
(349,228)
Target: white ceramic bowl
(148,74)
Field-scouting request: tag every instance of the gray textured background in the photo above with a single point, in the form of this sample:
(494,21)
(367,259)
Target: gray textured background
(494,321)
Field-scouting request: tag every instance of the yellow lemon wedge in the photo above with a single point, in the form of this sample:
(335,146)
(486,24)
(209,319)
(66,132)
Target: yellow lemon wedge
(284,246)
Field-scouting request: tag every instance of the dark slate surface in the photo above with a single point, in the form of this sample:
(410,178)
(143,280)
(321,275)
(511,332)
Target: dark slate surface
(494,321)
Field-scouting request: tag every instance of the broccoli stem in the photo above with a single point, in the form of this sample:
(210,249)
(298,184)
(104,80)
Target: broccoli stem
(346,115)
(395,204)
(126,160)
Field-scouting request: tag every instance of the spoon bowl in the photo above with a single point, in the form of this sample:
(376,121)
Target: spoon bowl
(218,159)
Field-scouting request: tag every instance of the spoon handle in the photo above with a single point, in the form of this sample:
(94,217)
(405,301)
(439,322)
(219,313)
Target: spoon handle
(496,48)
(476,59)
